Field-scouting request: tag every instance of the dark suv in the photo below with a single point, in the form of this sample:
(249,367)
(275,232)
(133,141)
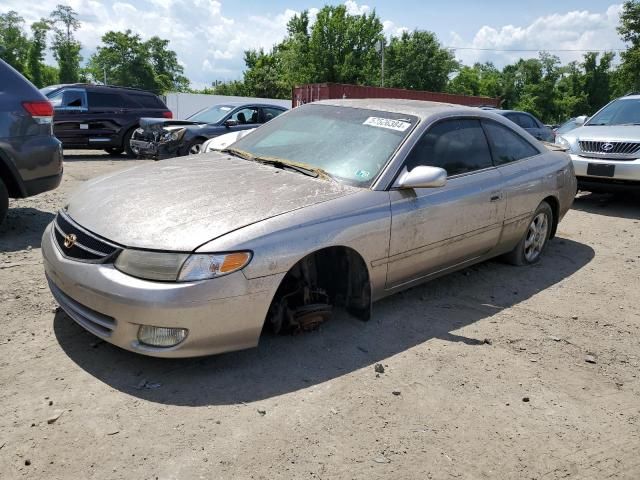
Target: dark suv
(101,117)
(30,156)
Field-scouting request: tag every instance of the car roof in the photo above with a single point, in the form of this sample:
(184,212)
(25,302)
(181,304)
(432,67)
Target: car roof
(238,103)
(92,86)
(419,108)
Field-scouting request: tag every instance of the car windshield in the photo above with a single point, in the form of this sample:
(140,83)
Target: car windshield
(566,126)
(211,115)
(350,144)
(620,112)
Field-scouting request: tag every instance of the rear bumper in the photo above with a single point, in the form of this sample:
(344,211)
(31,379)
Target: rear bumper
(39,185)
(34,162)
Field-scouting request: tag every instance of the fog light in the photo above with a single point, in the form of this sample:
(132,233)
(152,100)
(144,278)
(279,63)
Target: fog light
(161,336)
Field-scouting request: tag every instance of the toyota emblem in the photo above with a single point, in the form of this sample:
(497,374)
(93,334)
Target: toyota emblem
(607,147)
(70,240)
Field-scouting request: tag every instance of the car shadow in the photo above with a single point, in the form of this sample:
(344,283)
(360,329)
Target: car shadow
(93,156)
(620,204)
(283,364)
(23,228)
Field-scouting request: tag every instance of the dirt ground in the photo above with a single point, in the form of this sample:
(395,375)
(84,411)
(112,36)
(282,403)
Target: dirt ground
(495,372)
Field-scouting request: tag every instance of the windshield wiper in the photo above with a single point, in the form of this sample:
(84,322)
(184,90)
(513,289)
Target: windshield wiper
(281,163)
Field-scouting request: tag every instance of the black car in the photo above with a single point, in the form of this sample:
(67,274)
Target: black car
(30,156)
(171,138)
(100,116)
(530,123)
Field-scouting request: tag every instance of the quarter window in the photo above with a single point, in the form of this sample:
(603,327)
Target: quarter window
(69,99)
(525,121)
(506,145)
(270,113)
(458,146)
(104,100)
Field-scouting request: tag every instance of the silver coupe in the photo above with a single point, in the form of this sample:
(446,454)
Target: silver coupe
(334,204)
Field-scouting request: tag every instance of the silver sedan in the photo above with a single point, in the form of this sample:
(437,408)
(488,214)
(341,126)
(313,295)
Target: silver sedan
(334,204)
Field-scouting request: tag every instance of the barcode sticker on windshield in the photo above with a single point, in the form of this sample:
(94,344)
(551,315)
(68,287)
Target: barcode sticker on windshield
(398,125)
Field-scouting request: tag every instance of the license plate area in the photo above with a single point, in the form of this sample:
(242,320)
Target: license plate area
(601,169)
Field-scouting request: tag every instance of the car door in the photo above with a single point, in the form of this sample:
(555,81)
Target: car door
(70,108)
(104,118)
(520,163)
(436,228)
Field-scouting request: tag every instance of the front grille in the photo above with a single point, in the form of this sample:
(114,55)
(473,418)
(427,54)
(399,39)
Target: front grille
(97,323)
(85,246)
(609,148)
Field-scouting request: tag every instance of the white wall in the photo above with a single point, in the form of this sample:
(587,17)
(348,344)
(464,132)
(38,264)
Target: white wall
(185,104)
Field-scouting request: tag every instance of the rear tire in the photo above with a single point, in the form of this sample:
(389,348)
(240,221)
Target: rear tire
(4,201)
(530,248)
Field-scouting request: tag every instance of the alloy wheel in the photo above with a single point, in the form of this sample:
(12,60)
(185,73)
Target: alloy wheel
(536,237)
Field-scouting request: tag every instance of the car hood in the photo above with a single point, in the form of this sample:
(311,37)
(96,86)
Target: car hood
(151,124)
(182,203)
(608,133)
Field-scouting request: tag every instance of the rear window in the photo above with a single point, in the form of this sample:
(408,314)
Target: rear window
(146,100)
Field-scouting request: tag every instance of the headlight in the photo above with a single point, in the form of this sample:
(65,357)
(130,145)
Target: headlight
(201,266)
(172,135)
(181,267)
(560,140)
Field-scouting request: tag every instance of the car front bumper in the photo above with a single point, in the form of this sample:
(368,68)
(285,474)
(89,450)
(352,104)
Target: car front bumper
(221,315)
(625,171)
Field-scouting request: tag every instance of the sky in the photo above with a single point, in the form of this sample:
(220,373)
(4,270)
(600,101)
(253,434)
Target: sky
(210,36)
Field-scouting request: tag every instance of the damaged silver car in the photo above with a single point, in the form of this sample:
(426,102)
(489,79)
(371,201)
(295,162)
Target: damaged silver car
(334,204)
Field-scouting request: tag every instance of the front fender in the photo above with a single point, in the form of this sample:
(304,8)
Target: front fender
(361,222)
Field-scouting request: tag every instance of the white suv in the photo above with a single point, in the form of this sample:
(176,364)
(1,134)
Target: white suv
(606,149)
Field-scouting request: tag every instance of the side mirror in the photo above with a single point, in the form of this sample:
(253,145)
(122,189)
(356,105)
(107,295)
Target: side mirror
(230,123)
(581,120)
(422,177)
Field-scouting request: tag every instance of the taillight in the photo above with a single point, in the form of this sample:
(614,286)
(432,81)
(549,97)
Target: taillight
(42,112)
(167,114)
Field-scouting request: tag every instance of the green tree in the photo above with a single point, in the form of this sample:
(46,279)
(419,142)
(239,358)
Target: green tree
(416,60)
(629,29)
(37,47)
(123,59)
(597,80)
(466,82)
(167,70)
(342,47)
(66,49)
(14,44)
(263,75)
(128,61)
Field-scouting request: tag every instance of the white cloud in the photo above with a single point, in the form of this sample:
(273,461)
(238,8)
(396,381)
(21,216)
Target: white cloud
(354,9)
(575,30)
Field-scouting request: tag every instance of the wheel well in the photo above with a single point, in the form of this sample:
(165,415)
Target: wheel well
(555,208)
(9,180)
(333,276)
